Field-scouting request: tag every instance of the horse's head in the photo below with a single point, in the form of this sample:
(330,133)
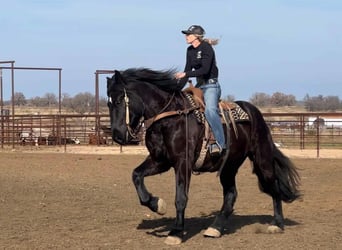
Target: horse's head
(126,109)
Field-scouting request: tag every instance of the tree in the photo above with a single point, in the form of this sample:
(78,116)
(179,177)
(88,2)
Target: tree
(260,99)
(66,100)
(280,99)
(332,103)
(291,100)
(102,102)
(50,99)
(314,103)
(36,101)
(19,99)
(229,98)
(321,103)
(83,102)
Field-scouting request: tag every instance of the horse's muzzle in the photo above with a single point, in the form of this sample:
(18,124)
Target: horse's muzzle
(120,137)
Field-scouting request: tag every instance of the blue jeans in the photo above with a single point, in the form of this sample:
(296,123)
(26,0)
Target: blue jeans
(212,94)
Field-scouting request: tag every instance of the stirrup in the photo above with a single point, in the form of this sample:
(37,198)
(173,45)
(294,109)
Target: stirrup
(215,149)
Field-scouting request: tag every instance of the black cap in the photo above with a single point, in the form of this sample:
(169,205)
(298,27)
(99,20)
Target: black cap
(195,30)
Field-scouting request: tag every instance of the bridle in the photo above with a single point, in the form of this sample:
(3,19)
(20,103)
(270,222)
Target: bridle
(130,131)
(161,114)
(148,122)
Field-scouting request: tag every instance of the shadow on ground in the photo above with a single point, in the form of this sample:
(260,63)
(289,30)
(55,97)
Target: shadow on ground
(193,226)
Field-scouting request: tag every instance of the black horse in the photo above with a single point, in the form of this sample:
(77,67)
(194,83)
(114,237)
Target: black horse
(174,139)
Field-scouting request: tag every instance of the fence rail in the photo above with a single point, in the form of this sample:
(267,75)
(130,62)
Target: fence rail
(290,130)
(24,129)
(306,130)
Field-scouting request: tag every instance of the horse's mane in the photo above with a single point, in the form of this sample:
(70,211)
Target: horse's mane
(164,80)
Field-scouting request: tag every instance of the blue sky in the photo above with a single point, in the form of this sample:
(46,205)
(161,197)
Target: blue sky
(288,46)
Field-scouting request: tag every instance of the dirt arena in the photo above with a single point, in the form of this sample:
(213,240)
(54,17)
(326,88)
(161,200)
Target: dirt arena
(86,200)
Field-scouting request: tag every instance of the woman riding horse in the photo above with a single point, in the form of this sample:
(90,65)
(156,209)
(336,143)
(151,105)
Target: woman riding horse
(174,139)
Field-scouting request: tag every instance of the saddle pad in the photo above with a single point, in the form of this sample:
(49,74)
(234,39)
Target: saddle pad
(199,115)
(239,114)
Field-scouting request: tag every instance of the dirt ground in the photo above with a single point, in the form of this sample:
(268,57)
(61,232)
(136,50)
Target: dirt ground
(86,200)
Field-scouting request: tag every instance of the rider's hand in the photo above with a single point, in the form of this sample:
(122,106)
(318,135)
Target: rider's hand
(179,75)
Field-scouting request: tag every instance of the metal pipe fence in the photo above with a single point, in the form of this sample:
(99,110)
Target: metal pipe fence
(306,130)
(12,68)
(289,130)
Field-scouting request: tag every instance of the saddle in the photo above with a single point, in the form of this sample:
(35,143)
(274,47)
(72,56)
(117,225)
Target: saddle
(234,111)
(230,113)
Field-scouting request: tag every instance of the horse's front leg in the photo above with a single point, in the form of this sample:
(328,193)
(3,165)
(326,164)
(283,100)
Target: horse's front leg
(149,168)
(183,176)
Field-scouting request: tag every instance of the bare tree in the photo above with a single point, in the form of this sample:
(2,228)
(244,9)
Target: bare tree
(66,100)
(36,101)
(83,103)
(290,100)
(102,102)
(260,99)
(313,103)
(279,99)
(50,99)
(229,98)
(19,99)
(332,103)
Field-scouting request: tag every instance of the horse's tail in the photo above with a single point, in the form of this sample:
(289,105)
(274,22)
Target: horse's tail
(277,174)
(287,176)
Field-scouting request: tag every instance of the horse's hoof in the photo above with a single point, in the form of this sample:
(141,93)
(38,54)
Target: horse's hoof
(274,229)
(161,207)
(173,240)
(212,232)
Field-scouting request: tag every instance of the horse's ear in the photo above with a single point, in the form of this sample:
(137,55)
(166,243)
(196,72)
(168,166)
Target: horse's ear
(110,82)
(118,77)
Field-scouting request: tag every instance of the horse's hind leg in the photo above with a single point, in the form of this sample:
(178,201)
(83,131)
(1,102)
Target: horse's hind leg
(278,222)
(269,185)
(149,168)
(280,180)
(227,178)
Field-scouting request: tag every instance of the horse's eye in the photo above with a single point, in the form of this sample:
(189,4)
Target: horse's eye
(117,101)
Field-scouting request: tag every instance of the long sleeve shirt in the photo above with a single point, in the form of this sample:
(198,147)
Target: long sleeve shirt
(201,62)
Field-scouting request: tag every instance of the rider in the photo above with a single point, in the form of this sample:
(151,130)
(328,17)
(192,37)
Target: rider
(201,63)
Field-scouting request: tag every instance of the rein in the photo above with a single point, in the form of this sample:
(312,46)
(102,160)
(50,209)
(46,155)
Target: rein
(162,114)
(150,121)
